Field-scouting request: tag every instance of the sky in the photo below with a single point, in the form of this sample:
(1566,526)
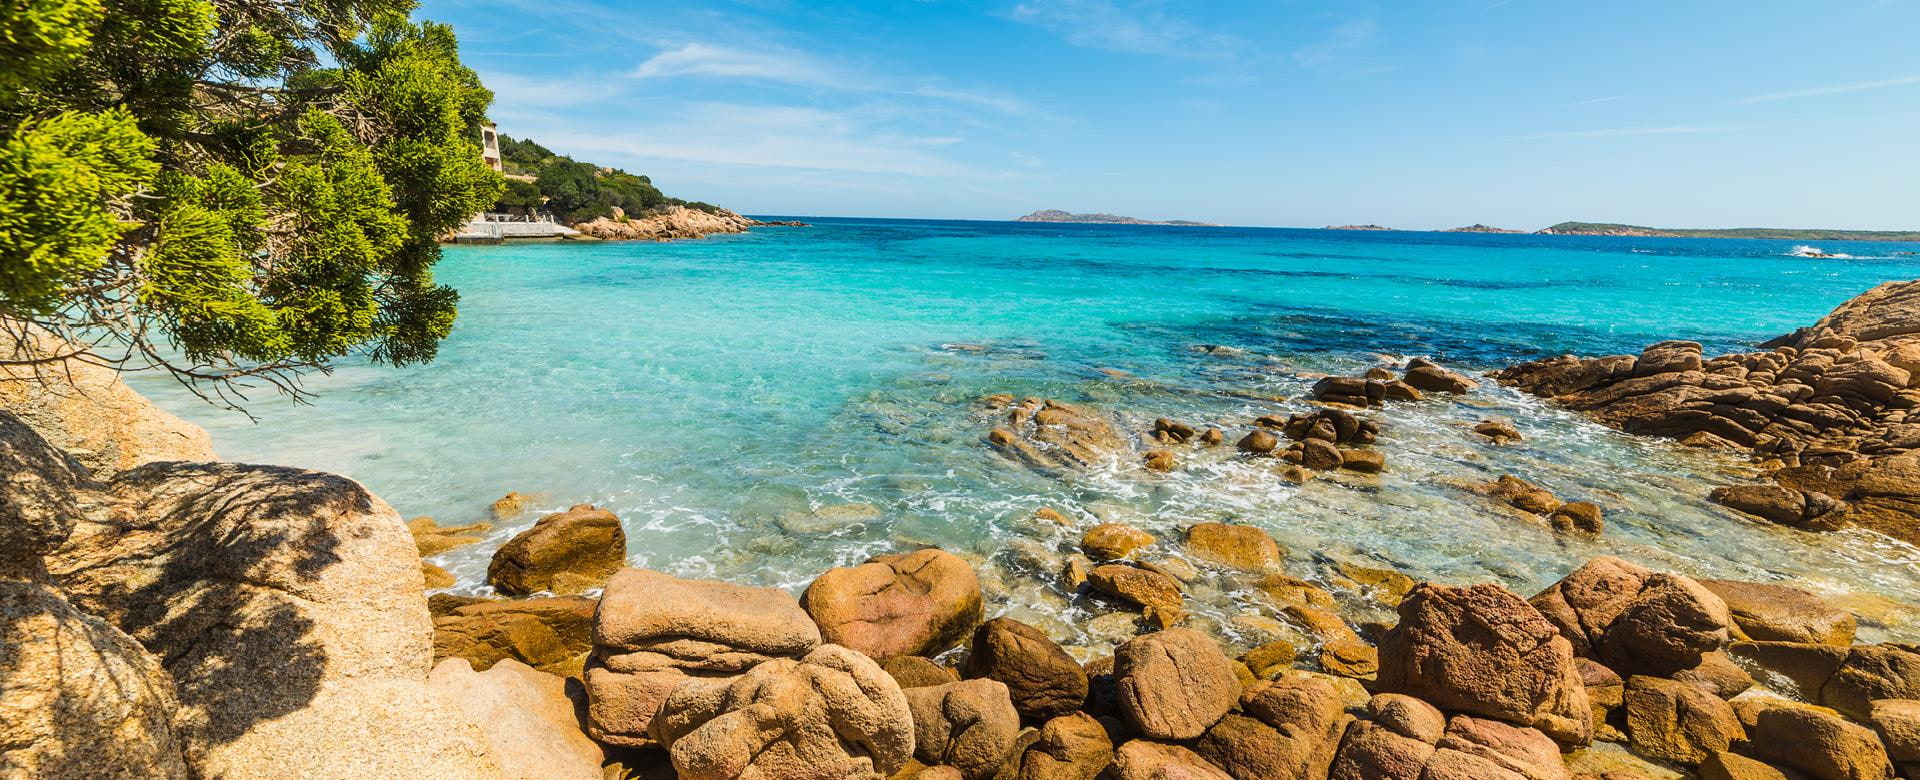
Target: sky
(1303,113)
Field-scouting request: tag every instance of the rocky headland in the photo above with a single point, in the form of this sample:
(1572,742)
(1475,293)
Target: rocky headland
(165,614)
(670,223)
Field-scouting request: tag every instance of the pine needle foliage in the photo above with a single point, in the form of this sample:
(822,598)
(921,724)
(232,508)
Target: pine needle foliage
(231,191)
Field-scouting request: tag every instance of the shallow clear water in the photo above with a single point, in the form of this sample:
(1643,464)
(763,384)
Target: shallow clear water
(714,392)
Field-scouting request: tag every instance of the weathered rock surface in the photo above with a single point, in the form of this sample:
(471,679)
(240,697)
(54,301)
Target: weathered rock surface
(1847,679)
(912,671)
(1834,396)
(86,411)
(917,603)
(1898,722)
(286,605)
(1771,612)
(1812,740)
(654,632)
(530,724)
(1055,436)
(1677,722)
(1142,759)
(828,715)
(1483,650)
(79,699)
(969,725)
(1074,746)
(1635,620)
(1403,738)
(1237,546)
(1174,684)
(1427,375)
(564,553)
(669,223)
(1335,426)
(550,634)
(1290,728)
(1113,541)
(1144,587)
(1042,680)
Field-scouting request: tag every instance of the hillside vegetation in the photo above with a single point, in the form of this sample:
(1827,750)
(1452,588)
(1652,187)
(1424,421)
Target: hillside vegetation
(578,191)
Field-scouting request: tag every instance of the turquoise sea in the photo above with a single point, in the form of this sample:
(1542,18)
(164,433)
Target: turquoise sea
(762,406)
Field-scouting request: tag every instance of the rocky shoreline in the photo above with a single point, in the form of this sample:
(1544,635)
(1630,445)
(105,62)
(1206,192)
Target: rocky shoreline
(1824,413)
(164,614)
(675,222)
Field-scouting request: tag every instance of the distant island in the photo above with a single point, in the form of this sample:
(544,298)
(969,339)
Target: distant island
(1056,215)
(1355,227)
(1612,229)
(1479,228)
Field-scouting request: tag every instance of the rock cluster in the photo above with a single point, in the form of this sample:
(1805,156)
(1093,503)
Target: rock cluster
(210,619)
(1826,410)
(1535,505)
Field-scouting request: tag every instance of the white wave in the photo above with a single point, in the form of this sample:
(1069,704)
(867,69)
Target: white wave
(1817,252)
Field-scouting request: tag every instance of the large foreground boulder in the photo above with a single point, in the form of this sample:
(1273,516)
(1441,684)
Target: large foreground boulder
(829,715)
(286,605)
(1290,728)
(1174,684)
(79,699)
(1483,650)
(917,603)
(654,631)
(530,724)
(1403,738)
(1813,740)
(1635,620)
(1042,679)
(968,725)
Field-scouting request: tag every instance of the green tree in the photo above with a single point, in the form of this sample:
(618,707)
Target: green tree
(231,190)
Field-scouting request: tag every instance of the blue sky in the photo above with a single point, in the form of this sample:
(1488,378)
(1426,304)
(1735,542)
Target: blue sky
(1517,113)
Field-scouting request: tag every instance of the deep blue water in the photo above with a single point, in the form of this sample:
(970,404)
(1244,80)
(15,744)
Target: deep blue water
(714,393)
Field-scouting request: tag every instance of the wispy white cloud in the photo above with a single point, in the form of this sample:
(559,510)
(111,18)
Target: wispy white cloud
(1630,132)
(706,60)
(1137,26)
(1831,89)
(1345,39)
(1595,101)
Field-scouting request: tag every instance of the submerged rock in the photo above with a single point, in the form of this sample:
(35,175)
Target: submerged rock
(1772,612)
(1057,436)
